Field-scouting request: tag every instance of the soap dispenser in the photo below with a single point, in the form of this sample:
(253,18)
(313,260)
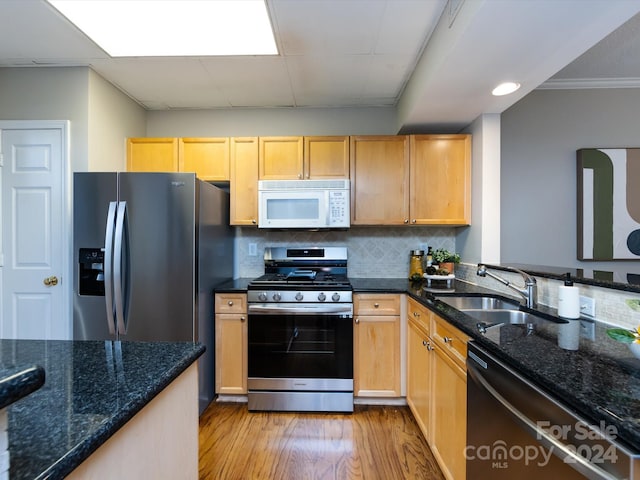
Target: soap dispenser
(568,299)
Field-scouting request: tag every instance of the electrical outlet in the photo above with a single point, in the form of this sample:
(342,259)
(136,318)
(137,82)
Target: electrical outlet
(588,330)
(587,306)
(253,249)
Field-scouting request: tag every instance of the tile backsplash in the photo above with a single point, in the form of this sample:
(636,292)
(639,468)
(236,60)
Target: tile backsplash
(611,305)
(381,252)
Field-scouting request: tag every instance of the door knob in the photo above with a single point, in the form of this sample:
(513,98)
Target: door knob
(51,281)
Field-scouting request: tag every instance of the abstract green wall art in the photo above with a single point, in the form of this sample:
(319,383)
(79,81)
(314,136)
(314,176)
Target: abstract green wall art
(608,204)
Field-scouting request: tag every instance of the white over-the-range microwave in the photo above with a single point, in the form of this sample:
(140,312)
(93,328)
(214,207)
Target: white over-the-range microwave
(304,204)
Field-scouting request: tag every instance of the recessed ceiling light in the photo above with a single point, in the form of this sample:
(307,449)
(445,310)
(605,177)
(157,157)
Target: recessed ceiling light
(505,88)
(162,28)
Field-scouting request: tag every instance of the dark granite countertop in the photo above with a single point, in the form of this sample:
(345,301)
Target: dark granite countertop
(600,380)
(19,381)
(238,285)
(92,388)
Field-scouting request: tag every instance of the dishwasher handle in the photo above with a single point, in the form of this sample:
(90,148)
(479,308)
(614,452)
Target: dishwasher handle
(559,449)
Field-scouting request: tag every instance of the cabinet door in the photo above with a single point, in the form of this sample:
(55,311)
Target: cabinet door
(243,184)
(280,158)
(419,352)
(377,356)
(207,157)
(379,180)
(326,157)
(152,154)
(440,179)
(449,419)
(231,353)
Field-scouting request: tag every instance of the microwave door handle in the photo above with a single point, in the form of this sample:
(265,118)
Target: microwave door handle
(559,449)
(327,204)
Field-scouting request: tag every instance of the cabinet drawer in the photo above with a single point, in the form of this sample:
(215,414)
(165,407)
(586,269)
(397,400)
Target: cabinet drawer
(376,304)
(453,341)
(231,303)
(419,315)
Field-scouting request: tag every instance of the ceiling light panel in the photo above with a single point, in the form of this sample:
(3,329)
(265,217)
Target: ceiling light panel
(137,28)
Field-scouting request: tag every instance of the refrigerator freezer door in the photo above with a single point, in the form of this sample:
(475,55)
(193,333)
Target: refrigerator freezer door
(161,255)
(92,194)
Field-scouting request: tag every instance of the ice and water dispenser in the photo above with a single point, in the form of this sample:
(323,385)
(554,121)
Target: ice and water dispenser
(91,266)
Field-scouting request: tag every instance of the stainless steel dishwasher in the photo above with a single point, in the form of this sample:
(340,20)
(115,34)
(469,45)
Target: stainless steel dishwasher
(517,431)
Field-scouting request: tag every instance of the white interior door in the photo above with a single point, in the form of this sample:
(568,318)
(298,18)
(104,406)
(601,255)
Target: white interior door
(34,248)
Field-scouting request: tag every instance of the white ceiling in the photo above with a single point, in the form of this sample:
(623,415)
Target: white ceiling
(436,61)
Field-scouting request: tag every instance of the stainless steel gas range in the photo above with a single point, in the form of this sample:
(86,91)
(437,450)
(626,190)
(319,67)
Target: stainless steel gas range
(300,329)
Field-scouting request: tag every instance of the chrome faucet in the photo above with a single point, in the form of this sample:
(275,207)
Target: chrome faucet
(528,292)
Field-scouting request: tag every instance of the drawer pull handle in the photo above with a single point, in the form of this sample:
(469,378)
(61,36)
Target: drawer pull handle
(424,343)
(448,339)
(429,347)
(242,318)
(416,314)
(376,305)
(357,320)
(230,303)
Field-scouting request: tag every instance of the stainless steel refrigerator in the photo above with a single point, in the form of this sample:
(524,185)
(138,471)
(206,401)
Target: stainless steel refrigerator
(149,248)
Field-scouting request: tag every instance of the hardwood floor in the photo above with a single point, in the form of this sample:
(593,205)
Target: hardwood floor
(375,442)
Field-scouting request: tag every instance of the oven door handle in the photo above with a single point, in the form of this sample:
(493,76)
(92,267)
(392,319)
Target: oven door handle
(311,309)
(559,449)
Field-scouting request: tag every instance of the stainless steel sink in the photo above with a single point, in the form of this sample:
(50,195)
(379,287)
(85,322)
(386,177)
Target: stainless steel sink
(511,316)
(478,303)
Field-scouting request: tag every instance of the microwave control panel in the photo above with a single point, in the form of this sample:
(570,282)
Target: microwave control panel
(339,209)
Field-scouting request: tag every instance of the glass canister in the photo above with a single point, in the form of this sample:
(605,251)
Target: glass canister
(415,263)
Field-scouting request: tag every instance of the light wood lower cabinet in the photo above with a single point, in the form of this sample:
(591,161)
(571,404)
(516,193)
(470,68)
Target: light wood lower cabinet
(376,356)
(231,344)
(419,366)
(437,386)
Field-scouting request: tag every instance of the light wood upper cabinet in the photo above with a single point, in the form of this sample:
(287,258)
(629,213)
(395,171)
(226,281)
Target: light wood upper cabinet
(440,190)
(207,157)
(297,158)
(231,343)
(152,154)
(244,181)
(379,180)
(280,158)
(376,369)
(326,157)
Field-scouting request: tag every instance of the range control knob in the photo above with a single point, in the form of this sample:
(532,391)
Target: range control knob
(335,297)
(276,297)
(262,296)
(299,296)
(322,297)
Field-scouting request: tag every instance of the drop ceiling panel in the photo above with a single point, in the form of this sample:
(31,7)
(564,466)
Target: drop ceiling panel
(251,81)
(325,27)
(33,30)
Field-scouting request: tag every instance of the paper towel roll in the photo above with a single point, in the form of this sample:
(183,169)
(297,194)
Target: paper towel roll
(568,302)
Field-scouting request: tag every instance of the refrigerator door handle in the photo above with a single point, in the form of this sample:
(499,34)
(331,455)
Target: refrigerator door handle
(120,274)
(108,267)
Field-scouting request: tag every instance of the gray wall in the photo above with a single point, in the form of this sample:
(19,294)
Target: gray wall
(540,136)
(101,116)
(249,122)
(50,94)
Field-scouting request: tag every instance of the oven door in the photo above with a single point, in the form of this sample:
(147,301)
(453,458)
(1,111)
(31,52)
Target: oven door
(300,341)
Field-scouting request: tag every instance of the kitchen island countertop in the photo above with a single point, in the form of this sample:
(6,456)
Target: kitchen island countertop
(92,389)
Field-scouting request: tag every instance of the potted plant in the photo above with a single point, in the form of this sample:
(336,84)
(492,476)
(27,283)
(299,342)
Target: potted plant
(445,259)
